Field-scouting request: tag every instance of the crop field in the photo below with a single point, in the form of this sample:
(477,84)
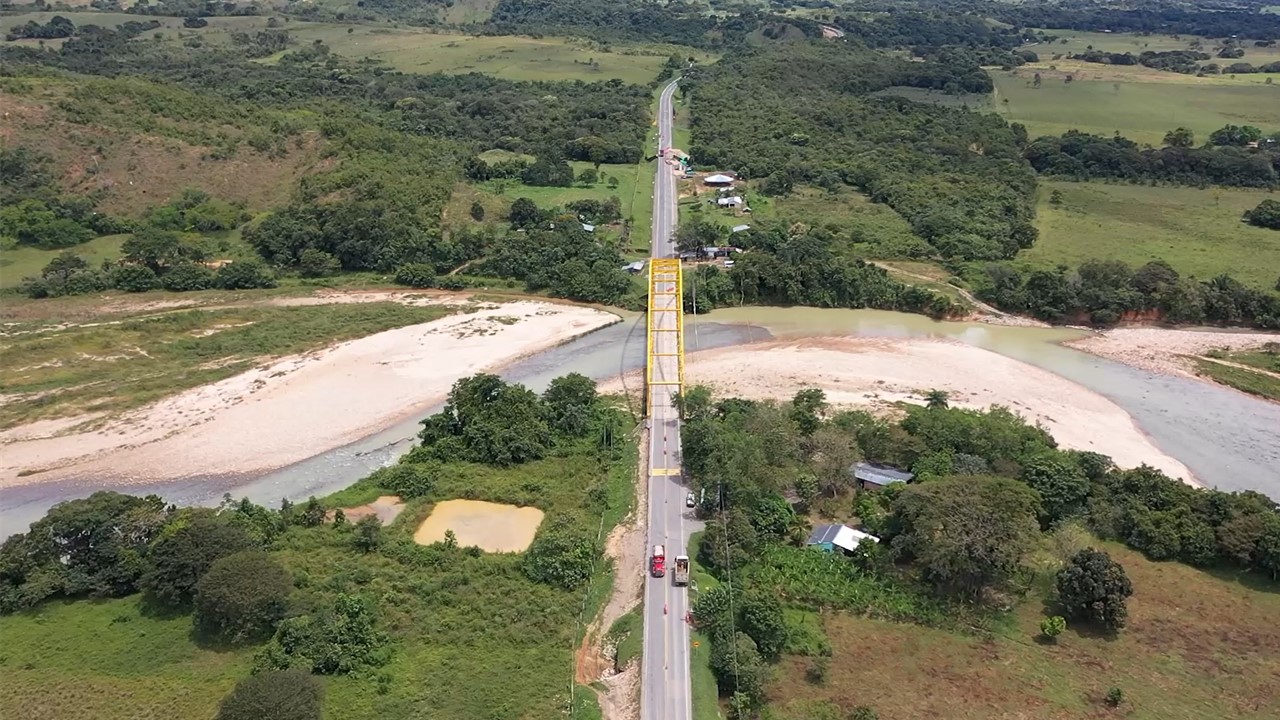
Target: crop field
(1198,232)
(1196,646)
(1139,105)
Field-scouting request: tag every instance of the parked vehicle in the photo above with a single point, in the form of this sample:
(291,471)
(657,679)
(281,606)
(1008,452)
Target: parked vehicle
(680,576)
(688,500)
(658,562)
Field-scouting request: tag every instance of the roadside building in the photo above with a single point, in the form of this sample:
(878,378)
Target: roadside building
(875,477)
(731,201)
(837,538)
(635,267)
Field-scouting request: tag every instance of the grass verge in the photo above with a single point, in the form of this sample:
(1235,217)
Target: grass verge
(1242,379)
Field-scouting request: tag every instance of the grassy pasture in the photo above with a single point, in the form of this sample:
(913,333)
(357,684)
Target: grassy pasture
(26,261)
(1141,104)
(1198,232)
(1077,41)
(1196,646)
(1264,383)
(513,58)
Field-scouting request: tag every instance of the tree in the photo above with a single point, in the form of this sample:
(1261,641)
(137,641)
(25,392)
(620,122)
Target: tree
(1094,587)
(416,275)
(93,546)
(244,275)
(1180,138)
(524,213)
(937,399)
(317,263)
(313,513)
(1266,215)
(1053,626)
(159,250)
(737,665)
(588,177)
(477,211)
(965,535)
(570,400)
(242,597)
(181,557)
(368,534)
(762,620)
(1061,483)
(1235,135)
(488,420)
(285,695)
(806,407)
(561,555)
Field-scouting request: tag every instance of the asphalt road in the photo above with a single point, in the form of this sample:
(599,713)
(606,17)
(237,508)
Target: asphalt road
(664,689)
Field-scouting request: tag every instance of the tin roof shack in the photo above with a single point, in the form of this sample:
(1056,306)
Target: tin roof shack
(837,538)
(874,477)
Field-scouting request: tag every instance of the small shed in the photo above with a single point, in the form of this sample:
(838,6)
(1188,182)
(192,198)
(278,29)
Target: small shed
(833,538)
(588,227)
(741,228)
(718,179)
(875,477)
(634,267)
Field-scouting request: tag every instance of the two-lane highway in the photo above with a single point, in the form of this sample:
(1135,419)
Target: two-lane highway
(664,689)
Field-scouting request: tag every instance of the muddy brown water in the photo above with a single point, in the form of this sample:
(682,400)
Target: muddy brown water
(492,527)
(1228,439)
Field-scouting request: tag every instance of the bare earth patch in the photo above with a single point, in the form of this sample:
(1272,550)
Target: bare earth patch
(492,527)
(386,508)
(1168,352)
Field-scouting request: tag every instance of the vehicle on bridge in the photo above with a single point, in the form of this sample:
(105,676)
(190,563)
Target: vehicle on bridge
(680,576)
(658,562)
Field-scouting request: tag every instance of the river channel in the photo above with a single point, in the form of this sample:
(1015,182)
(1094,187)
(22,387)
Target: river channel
(1226,438)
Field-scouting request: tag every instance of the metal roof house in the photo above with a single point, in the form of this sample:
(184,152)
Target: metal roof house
(720,179)
(729,201)
(876,476)
(843,537)
(634,267)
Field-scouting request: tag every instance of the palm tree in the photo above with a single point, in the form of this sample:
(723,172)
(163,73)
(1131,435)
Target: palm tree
(936,399)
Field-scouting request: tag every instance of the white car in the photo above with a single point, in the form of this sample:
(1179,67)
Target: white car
(688,500)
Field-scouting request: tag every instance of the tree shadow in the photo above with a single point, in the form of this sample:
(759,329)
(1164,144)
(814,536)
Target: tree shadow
(1250,579)
(153,609)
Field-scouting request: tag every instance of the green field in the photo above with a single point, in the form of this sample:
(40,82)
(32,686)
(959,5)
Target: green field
(1196,646)
(1198,232)
(471,635)
(26,261)
(1263,382)
(513,58)
(1140,109)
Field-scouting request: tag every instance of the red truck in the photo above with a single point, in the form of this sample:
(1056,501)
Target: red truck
(658,562)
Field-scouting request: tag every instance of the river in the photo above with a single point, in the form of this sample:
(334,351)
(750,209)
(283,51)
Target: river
(1226,438)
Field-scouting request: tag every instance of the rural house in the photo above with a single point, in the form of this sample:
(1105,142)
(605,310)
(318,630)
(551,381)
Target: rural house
(874,477)
(837,538)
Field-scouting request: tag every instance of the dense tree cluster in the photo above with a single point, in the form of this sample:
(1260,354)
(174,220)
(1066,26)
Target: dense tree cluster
(1166,20)
(34,212)
(1266,215)
(800,113)
(793,265)
(553,253)
(1103,291)
(57,28)
(1224,161)
(680,22)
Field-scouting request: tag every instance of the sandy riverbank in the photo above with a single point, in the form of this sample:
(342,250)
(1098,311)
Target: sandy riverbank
(1166,351)
(296,407)
(875,373)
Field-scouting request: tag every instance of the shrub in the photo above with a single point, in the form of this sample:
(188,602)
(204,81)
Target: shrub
(1051,627)
(417,275)
(1115,696)
(317,263)
(816,671)
(134,278)
(242,597)
(368,534)
(561,555)
(338,642)
(185,277)
(287,695)
(245,275)
(408,480)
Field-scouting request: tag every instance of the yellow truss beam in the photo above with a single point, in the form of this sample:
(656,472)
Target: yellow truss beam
(666,281)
